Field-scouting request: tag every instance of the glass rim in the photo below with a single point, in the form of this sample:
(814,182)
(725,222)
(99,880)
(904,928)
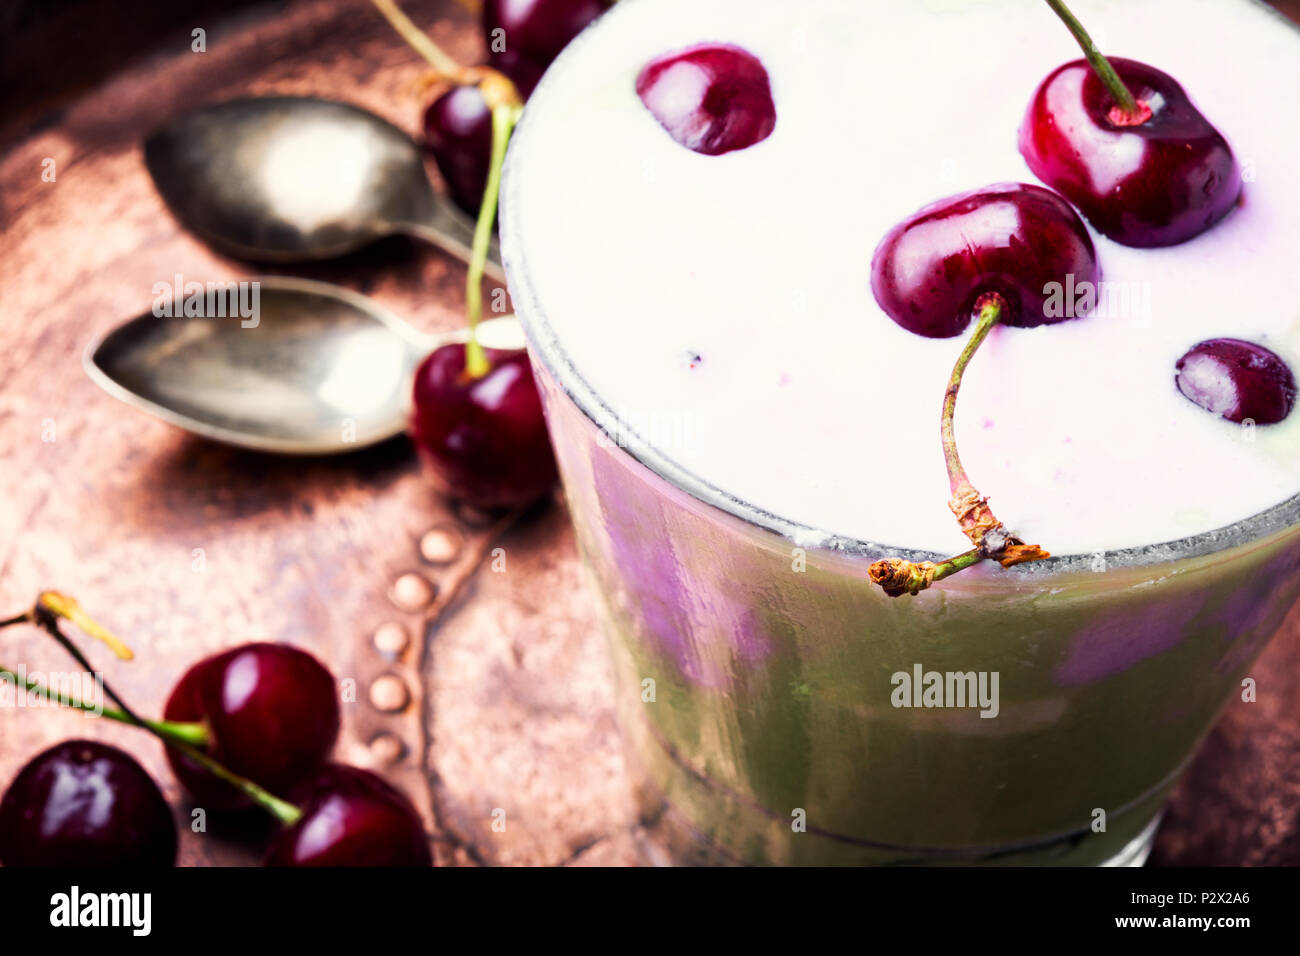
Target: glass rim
(546,349)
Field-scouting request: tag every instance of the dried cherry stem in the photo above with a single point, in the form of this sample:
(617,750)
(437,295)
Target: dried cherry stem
(503,99)
(898,577)
(969,507)
(417,38)
(989,536)
(62,606)
(1127,111)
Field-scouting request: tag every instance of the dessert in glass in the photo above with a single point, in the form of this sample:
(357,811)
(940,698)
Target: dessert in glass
(743,428)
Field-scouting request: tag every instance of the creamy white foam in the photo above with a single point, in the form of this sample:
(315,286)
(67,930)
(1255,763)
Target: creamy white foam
(807,400)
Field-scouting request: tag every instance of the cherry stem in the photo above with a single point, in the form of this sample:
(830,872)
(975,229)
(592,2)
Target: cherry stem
(990,308)
(503,99)
(986,532)
(1128,106)
(898,577)
(957,563)
(497,88)
(47,618)
(989,536)
(64,606)
(504,118)
(418,39)
(193,733)
(60,605)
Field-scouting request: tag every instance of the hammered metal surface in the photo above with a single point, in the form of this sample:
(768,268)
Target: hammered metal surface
(185,547)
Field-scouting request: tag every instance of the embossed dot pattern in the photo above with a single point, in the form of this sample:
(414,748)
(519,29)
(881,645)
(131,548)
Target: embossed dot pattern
(391,639)
(389,693)
(412,591)
(441,545)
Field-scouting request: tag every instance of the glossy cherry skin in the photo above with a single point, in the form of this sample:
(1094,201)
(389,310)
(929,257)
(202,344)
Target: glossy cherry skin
(537,30)
(272,712)
(1237,380)
(482,440)
(351,818)
(458,124)
(712,98)
(523,72)
(85,804)
(1012,239)
(1157,183)
(458,134)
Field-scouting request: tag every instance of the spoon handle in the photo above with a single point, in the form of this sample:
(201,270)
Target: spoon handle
(453,232)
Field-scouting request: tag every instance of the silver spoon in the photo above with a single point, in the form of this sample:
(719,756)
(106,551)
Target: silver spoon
(295,178)
(322,370)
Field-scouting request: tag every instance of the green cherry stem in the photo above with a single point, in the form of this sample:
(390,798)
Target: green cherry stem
(54,604)
(504,117)
(505,103)
(1129,111)
(194,734)
(48,620)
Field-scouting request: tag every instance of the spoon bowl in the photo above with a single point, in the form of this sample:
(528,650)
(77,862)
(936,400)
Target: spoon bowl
(317,369)
(296,179)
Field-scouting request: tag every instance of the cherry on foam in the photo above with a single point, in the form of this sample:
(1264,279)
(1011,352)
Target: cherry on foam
(458,134)
(1159,181)
(85,804)
(483,440)
(272,714)
(351,818)
(1237,380)
(712,98)
(536,31)
(1011,239)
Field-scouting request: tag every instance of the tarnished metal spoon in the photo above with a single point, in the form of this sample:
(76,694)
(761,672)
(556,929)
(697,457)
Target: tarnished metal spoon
(316,369)
(295,178)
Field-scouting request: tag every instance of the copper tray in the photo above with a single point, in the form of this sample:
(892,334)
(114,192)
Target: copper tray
(495,698)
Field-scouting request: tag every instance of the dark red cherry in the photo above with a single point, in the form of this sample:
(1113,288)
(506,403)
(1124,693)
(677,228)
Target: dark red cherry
(483,440)
(523,72)
(712,98)
(272,713)
(537,30)
(351,818)
(1156,183)
(85,804)
(458,134)
(1237,380)
(1022,242)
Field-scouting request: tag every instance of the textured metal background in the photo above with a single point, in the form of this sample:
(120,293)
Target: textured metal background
(499,699)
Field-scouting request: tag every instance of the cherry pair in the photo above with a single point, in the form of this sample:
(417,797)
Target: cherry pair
(266,712)
(523,37)
(87,804)
(272,715)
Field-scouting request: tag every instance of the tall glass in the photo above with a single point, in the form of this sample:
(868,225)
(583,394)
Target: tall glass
(773,698)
